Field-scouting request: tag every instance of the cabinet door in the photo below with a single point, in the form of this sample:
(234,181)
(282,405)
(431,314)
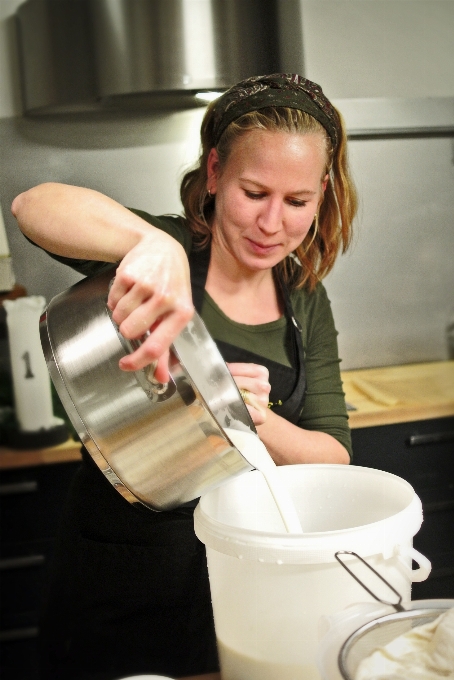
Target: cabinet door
(422,453)
(31,501)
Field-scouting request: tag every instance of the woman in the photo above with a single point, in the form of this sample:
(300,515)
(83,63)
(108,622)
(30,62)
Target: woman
(266,211)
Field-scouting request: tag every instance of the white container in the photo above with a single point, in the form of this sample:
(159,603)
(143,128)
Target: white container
(31,380)
(338,628)
(270,589)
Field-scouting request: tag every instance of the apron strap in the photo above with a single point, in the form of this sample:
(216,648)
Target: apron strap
(199,261)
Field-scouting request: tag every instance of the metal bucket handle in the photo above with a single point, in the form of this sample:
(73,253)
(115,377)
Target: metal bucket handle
(397,605)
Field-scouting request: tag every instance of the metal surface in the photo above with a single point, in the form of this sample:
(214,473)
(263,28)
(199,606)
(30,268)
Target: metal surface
(397,605)
(94,54)
(158,445)
(397,118)
(383,630)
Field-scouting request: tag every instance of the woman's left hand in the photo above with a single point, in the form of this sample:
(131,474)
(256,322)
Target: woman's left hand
(254,380)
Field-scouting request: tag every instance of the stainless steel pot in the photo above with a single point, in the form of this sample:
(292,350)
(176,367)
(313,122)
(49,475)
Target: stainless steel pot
(159,445)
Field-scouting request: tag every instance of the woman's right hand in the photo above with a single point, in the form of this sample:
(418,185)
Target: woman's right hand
(152,292)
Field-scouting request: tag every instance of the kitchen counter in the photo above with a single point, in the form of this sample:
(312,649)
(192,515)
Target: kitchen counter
(380,396)
(399,394)
(18,458)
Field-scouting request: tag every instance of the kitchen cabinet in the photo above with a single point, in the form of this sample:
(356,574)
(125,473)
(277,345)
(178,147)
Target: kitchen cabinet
(421,452)
(31,498)
(404,424)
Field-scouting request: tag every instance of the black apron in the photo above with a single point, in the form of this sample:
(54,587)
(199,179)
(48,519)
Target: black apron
(129,591)
(288,384)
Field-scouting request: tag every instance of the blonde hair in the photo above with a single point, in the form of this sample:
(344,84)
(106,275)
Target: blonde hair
(315,256)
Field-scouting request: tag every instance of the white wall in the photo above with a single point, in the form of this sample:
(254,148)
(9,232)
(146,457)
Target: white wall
(135,160)
(10,103)
(393,294)
(380,48)
(354,48)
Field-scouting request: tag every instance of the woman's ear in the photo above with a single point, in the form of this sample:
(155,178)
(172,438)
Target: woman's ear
(325,182)
(212,171)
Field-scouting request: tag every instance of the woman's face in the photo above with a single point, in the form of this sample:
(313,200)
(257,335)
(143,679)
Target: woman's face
(267,195)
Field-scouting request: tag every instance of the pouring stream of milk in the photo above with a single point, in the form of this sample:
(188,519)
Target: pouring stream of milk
(255,452)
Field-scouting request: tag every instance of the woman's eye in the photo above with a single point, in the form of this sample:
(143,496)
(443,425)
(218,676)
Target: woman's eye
(254,194)
(258,195)
(296,203)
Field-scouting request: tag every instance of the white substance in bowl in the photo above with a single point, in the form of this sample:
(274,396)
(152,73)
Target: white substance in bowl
(424,653)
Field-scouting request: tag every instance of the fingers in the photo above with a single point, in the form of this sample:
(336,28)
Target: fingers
(118,288)
(257,406)
(253,378)
(248,370)
(252,381)
(250,399)
(151,295)
(136,307)
(161,373)
(258,416)
(157,344)
(163,317)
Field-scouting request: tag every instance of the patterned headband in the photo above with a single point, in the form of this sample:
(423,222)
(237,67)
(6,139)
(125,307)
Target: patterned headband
(278,89)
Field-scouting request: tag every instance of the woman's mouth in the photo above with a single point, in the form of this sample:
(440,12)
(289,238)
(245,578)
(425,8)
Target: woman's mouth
(262,248)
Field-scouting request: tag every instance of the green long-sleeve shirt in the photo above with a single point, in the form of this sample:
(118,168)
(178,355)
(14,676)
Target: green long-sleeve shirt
(324,408)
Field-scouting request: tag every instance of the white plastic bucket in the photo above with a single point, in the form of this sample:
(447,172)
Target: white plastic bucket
(270,589)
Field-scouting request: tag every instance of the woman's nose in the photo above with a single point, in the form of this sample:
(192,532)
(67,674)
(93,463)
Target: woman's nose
(270,217)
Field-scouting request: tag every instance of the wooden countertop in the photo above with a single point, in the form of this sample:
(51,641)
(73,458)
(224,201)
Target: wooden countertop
(398,394)
(18,458)
(381,396)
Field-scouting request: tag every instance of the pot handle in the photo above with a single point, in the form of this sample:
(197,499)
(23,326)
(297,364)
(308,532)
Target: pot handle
(424,565)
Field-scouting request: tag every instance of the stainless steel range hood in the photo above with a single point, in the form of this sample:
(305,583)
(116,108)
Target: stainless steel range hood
(81,55)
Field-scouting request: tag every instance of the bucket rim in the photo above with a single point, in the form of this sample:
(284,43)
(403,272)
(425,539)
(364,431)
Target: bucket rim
(378,537)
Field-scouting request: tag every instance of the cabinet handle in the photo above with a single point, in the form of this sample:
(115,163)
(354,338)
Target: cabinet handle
(437,506)
(18,487)
(432,438)
(22,562)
